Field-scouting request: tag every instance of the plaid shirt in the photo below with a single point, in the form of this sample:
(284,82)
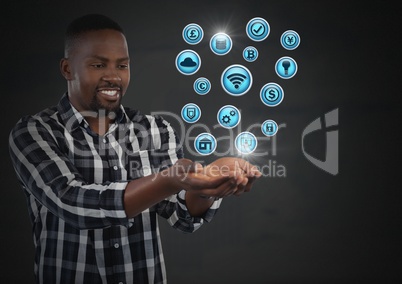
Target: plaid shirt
(74,181)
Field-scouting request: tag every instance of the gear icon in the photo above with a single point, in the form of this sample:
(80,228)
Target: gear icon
(232,113)
(226,119)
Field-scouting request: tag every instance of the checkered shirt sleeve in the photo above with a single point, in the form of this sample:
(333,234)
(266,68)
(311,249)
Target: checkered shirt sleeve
(74,181)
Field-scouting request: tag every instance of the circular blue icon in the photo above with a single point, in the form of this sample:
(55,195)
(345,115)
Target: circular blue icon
(269,127)
(257,29)
(290,40)
(246,142)
(220,44)
(202,86)
(205,143)
(191,113)
(271,94)
(229,116)
(188,62)
(236,80)
(250,53)
(286,67)
(193,33)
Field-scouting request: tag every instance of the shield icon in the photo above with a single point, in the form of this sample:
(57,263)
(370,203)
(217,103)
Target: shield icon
(191,112)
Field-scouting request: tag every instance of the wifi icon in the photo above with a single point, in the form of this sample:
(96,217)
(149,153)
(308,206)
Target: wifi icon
(236,80)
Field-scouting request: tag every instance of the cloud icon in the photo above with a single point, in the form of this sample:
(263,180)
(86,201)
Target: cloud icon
(188,62)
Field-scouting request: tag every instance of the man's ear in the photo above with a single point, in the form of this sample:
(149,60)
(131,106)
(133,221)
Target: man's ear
(65,69)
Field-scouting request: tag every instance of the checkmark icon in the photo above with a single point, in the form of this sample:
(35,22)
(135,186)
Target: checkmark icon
(259,30)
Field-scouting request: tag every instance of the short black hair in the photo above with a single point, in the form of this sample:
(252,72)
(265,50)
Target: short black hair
(90,22)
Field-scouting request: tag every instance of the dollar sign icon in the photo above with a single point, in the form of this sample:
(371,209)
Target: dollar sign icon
(271,94)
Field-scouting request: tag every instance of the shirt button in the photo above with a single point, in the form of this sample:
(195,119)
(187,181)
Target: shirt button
(115,168)
(116,245)
(104,140)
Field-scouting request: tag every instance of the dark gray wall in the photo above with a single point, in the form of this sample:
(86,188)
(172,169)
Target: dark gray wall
(310,227)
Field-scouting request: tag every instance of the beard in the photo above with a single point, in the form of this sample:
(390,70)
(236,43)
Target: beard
(106,107)
(97,105)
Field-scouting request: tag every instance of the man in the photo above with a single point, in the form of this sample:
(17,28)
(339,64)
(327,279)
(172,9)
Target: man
(96,174)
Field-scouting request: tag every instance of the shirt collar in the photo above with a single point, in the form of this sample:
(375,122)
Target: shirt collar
(72,118)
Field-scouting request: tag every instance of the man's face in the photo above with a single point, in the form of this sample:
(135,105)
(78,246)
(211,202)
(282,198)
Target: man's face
(98,71)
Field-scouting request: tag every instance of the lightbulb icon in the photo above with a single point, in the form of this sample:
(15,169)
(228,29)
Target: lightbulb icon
(286,65)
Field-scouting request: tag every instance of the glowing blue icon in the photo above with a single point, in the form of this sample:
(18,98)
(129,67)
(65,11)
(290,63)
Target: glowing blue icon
(269,127)
(257,29)
(188,62)
(193,34)
(250,53)
(286,67)
(205,144)
(191,113)
(229,116)
(246,142)
(271,94)
(202,86)
(236,80)
(290,40)
(220,44)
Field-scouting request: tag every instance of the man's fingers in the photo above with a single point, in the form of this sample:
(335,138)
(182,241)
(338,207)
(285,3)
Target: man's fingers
(195,167)
(249,169)
(225,177)
(201,181)
(249,184)
(221,190)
